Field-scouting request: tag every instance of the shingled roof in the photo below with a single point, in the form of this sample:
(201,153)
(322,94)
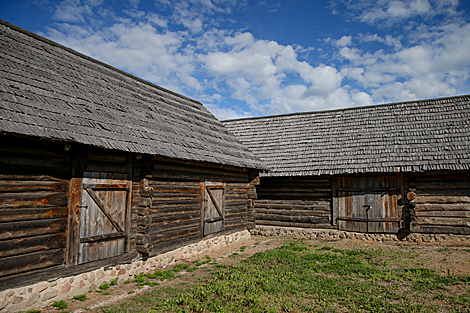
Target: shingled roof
(399,137)
(53,92)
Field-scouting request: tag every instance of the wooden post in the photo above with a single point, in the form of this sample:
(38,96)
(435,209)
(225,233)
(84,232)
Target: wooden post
(335,202)
(75,201)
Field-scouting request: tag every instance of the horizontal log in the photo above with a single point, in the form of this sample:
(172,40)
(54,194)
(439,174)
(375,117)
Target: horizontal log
(168,227)
(33,199)
(179,233)
(297,189)
(12,215)
(288,218)
(442,207)
(229,199)
(273,203)
(441,199)
(441,221)
(439,184)
(175,209)
(32,244)
(172,184)
(443,192)
(32,228)
(430,229)
(452,214)
(294,224)
(235,205)
(430,177)
(32,261)
(288,206)
(237,186)
(266,193)
(33,186)
(172,202)
(176,218)
(176,195)
(29,178)
(319,213)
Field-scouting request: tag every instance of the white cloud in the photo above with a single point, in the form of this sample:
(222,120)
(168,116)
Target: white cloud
(429,60)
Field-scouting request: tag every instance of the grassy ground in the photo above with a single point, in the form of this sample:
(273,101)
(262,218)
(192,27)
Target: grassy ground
(304,277)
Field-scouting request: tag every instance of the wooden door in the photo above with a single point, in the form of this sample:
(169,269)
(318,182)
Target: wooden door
(369,204)
(103,216)
(214,207)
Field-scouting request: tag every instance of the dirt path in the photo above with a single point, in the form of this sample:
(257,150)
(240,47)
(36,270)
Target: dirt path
(445,259)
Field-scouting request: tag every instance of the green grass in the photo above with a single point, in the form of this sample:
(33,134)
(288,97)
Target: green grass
(60,305)
(300,278)
(80,297)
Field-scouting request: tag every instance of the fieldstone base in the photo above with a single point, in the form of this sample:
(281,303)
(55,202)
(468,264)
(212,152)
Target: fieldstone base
(42,294)
(331,234)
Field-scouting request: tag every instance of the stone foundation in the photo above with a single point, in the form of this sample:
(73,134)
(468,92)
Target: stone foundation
(329,234)
(44,293)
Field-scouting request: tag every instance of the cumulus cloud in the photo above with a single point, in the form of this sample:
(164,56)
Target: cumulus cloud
(236,74)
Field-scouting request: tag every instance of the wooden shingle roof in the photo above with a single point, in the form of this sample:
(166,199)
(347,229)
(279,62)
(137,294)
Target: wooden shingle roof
(399,137)
(53,92)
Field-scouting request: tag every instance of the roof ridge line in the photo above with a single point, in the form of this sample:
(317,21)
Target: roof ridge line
(79,54)
(422,101)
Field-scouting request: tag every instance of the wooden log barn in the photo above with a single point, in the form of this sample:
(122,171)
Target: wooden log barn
(98,167)
(392,168)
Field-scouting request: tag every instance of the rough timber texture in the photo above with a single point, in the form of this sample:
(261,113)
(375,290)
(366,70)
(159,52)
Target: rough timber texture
(439,203)
(52,92)
(428,135)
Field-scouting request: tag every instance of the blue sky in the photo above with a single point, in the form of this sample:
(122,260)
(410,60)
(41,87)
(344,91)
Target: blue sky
(253,58)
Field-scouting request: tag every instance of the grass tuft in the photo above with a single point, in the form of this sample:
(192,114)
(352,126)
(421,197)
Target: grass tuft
(60,305)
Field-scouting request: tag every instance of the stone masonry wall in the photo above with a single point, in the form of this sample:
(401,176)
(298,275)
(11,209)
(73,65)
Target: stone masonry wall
(329,234)
(42,294)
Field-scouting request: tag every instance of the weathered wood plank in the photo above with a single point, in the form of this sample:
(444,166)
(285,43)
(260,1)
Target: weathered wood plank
(23,186)
(32,228)
(443,192)
(33,199)
(32,261)
(441,199)
(295,224)
(453,214)
(174,202)
(294,212)
(432,229)
(32,244)
(25,214)
(290,218)
(178,233)
(442,207)
(442,221)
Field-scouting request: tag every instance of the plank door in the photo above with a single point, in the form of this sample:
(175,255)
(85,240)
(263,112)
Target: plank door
(368,204)
(214,207)
(103,216)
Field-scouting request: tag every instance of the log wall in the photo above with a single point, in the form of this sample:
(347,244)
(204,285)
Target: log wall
(439,203)
(294,202)
(171,202)
(34,188)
